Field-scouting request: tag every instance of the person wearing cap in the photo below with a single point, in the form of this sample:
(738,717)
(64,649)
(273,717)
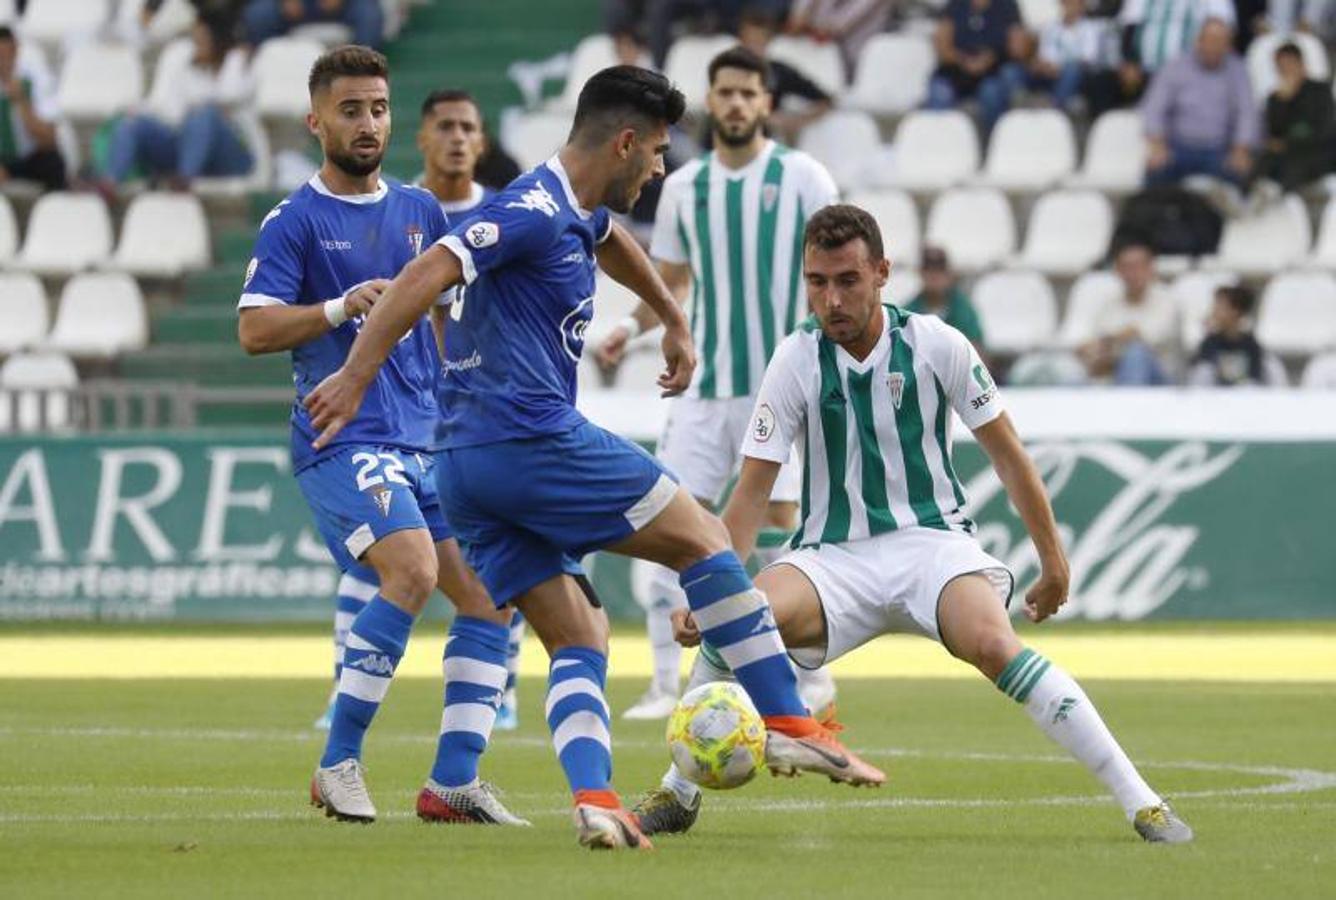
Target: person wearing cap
(941,296)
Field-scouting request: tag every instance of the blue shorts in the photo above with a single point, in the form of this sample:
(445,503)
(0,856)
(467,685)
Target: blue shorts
(527,510)
(363,492)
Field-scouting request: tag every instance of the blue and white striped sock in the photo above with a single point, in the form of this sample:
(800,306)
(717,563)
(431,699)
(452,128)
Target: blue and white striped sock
(376,643)
(475,676)
(513,655)
(354,595)
(578,717)
(734,617)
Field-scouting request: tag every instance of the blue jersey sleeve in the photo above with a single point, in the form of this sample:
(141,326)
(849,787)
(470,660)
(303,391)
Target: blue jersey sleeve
(503,232)
(274,276)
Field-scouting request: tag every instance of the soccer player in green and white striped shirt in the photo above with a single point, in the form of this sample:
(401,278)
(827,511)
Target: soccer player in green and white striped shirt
(729,229)
(885,546)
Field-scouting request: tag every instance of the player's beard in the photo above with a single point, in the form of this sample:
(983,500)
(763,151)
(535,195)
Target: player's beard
(358,167)
(739,138)
(623,192)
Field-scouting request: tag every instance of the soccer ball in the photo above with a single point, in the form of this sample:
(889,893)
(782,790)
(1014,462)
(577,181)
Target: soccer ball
(716,737)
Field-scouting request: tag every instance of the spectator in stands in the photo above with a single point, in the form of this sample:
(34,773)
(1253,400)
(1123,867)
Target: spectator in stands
(1312,16)
(265,19)
(657,19)
(1070,49)
(849,23)
(756,29)
(1133,338)
(976,43)
(28,113)
(1155,32)
(191,132)
(1230,355)
(1199,115)
(941,296)
(1300,127)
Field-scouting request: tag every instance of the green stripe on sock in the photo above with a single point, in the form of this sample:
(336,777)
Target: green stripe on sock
(1024,673)
(713,658)
(1009,673)
(1023,692)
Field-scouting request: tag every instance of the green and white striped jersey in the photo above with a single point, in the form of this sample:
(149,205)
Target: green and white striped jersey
(875,435)
(1166,29)
(741,233)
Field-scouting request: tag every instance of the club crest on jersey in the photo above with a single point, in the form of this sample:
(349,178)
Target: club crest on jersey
(483,234)
(896,382)
(381,496)
(769,196)
(414,234)
(536,199)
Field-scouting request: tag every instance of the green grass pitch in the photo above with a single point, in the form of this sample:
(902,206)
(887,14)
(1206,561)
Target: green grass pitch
(198,788)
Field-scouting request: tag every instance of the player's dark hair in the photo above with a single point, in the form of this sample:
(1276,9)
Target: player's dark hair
(348,61)
(448,95)
(1290,48)
(1241,298)
(6,34)
(740,57)
(1132,240)
(838,224)
(621,96)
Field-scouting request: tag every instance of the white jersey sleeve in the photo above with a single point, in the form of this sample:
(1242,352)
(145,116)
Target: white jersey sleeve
(666,239)
(969,386)
(817,188)
(780,413)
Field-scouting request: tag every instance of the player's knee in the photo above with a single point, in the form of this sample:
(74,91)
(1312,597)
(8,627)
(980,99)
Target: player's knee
(993,649)
(409,582)
(706,538)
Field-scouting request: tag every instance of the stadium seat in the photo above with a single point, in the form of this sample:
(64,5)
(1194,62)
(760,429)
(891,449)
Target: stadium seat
(533,137)
(1115,157)
(1038,13)
(1089,292)
(1195,292)
(975,227)
(1262,60)
(1276,238)
(934,151)
(892,75)
(281,67)
(259,179)
(640,369)
(898,219)
(820,62)
(1030,149)
(101,314)
(1017,310)
(1324,251)
(904,285)
(172,63)
(53,21)
(9,231)
(67,232)
(847,143)
(688,63)
(1297,314)
(172,19)
(98,81)
(23,308)
(163,235)
(326,34)
(1320,373)
(1069,232)
(28,375)
(593,53)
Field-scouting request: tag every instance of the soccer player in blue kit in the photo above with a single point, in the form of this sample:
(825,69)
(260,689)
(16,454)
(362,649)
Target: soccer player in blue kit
(530,485)
(320,265)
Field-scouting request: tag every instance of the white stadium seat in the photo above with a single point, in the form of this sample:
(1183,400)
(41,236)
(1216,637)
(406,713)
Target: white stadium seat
(974,226)
(101,314)
(1320,373)
(639,369)
(1195,292)
(28,376)
(688,63)
(100,80)
(1115,157)
(1038,13)
(1276,238)
(1017,310)
(23,309)
(591,55)
(847,143)
(164,235)
(1069,232)
(1297,314)
(162,98)
(903,286)
(534,136)
(52,21)
(1030,149)
(1324,252)
(934,151)
(893,72)
(1262,60)
(67,232)
(1089,292)
(820,62)
(9,231)
(282,66)
(898,219)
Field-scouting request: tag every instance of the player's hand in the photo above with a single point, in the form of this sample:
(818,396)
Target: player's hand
(685,631)
(680,355)
(612,348)
(359,300)
(332,405)
(1047,595)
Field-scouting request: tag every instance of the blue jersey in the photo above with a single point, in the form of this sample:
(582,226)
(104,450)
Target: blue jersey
(315,246)
(512,348)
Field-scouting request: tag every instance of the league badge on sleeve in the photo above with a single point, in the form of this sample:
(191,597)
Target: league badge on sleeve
(764,424)
(483,234)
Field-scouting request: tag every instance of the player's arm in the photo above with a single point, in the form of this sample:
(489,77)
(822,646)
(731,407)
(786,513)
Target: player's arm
(335,401)
(749,503)
(279,326)
(677,276)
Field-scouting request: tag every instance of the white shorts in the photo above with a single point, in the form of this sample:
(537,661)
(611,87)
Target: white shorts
(888,584)
(702,444)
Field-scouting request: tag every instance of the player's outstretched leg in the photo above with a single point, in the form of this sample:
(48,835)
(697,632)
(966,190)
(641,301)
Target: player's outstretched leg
(356,588)
(975,628)
(508,715)
(665,595)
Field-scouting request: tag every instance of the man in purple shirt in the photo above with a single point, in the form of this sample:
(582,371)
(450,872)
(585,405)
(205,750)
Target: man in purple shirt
(1199,115)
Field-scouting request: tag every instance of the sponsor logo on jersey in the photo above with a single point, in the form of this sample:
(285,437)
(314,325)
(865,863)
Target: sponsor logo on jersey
(763,425)
(896,382)
(577,257)
(483,234)
(250,272)
(373,664)
(472,361)
(336,245)
(573,328)
(414,233)
(536,199)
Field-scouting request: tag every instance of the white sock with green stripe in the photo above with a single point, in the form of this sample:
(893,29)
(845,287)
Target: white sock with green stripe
(1062,711)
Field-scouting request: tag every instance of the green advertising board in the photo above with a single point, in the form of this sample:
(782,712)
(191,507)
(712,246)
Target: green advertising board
(211,526)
